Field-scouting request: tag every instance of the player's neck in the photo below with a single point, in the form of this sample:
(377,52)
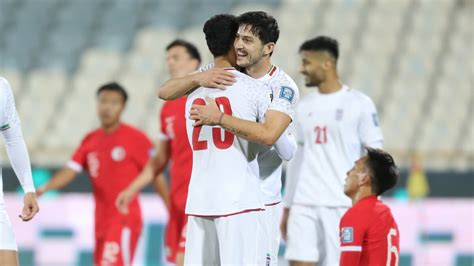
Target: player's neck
(260,68)
(359,195)
(330,86)
(222,62)
(108,129)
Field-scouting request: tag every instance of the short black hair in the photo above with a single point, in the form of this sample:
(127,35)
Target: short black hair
(382,170)
(114,86)
(322,43)
(220,31)
(262,25)
(190,48)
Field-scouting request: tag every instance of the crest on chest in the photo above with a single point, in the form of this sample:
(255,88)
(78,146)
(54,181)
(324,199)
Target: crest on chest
(339,114)
(118,153)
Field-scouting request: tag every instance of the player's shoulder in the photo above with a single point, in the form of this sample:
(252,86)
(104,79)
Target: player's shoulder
(284,78)
(91,135)
(358,96)
(4,86)
(134,131)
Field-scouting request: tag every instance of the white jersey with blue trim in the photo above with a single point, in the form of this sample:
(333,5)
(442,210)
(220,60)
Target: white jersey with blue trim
(331,130)
(225,177)
(285,96)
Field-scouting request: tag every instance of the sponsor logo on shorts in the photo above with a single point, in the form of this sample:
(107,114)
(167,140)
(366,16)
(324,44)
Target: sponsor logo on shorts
(269,260)
(347,235)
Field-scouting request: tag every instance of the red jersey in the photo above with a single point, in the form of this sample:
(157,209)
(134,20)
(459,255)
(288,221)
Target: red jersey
(113,161)
(173,128)
(369,235)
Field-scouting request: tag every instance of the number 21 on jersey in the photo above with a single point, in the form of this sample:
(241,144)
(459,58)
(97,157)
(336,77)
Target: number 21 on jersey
(321,134)
(224,105)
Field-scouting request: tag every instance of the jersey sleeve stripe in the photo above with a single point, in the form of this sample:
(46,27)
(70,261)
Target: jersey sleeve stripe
(74,166)
(351,248)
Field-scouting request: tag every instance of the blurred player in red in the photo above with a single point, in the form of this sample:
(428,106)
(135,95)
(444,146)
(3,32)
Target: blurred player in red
(368,232)
(113,155)
(173,146)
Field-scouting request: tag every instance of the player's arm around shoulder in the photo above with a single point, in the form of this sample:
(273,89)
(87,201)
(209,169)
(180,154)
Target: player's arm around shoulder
(212,78)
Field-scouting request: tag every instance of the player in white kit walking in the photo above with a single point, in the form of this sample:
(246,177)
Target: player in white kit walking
(224,201)
(18,154)
(333,124)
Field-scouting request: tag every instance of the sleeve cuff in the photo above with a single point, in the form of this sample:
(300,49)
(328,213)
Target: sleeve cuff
(74,166)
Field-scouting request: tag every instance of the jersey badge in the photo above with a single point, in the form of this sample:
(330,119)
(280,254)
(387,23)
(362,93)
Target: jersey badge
(287,93)
(375,119)
(339,114)
(118,153)
(347,235)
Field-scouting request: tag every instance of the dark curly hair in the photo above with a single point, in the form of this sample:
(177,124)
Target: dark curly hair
(220,31)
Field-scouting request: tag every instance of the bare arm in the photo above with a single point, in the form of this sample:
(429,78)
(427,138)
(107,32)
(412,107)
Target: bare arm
(61,179)
(161,186)
(178,87)
(153,168)
(266,133)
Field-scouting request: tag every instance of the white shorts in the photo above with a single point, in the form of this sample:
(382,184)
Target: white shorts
(233,240)
(272,216)
(313,234)
(7,238)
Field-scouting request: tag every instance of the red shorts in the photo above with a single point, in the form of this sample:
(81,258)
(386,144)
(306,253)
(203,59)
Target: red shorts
(116,247)
(175,237)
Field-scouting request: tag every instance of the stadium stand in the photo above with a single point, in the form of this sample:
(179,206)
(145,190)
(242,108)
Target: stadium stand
(56,53)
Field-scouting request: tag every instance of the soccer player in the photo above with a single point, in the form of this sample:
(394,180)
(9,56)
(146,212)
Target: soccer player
(254,44)
(368,232)
(332,125)
(173,146)
(225,202)
(18,154)
(113,155)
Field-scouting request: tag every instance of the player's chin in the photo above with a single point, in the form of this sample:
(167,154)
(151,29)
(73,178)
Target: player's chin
(242,61)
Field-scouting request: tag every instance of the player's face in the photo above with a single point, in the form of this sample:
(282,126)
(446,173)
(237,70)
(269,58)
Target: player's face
(179,62)
(248,47)
(313,67)
(354,176)
(110,107)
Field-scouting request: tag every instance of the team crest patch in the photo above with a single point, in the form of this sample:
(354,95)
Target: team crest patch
(339,114)
(287,93)
(375,119)
(347,235)
(118,153)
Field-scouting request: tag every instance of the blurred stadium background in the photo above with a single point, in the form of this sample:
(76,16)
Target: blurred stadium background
(413,57)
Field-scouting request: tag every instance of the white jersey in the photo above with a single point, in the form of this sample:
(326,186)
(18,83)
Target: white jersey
(225,178)
(10,129)
(285,96)
(333,130)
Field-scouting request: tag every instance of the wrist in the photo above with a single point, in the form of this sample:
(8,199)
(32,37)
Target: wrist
(196,80)
(219,120)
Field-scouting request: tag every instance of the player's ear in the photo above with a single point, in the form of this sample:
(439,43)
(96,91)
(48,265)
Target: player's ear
(268,48)
(365,179)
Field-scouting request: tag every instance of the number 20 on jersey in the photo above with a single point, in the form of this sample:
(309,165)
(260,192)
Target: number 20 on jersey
(221,143)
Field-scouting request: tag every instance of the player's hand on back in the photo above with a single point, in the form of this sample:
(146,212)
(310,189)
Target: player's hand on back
(216,78)
(30,207)
(208,114)
(122,201)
